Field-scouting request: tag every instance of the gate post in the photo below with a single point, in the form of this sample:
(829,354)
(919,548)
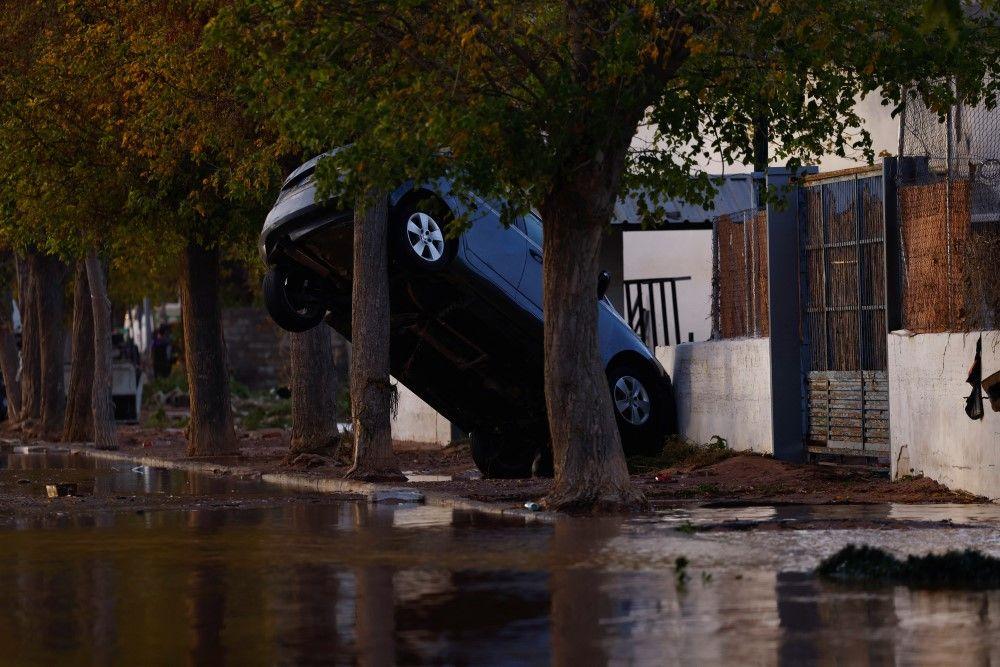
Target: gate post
(787,391)
(893,246)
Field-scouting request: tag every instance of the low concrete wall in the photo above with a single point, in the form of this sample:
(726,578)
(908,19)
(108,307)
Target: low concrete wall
(418,423)
(930,433)
(723,388)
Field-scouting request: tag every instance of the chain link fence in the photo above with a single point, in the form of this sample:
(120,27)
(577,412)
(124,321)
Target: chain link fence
(949,213)
(739,275)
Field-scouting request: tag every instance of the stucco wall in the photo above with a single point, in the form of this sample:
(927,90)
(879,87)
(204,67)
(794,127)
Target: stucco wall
(930,433)
(673,253)
(417,423)
(723,388)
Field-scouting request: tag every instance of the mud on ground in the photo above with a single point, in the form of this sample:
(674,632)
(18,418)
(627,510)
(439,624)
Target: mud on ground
(700,478)
(737,478)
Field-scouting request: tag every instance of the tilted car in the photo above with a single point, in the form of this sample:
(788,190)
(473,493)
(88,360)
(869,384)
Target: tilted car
(466,316)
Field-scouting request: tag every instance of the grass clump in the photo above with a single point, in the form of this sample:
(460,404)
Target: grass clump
(681,452)
(968,569)
(271,414)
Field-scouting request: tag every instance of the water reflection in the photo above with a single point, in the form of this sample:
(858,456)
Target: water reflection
(341,583)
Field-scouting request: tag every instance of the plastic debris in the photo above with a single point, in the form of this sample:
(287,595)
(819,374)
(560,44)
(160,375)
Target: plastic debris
(60,489)
(662,477)
(139,469)
(533,506)
(395,496)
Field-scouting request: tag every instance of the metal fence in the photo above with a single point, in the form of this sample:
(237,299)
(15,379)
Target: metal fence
(651,309)
(949,212)
(843,244)
(739,275)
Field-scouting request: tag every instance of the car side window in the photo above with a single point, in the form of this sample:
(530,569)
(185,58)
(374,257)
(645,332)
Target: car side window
(533,228)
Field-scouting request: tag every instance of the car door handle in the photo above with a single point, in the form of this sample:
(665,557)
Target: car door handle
(534,252)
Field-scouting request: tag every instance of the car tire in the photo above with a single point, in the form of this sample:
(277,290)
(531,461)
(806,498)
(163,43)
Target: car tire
(418,234)
(287,301)
(502,456)
(644,407)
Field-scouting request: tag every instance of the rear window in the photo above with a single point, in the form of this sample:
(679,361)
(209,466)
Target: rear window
(533,228)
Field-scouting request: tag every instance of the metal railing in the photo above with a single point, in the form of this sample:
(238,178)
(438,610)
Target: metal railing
(647,309)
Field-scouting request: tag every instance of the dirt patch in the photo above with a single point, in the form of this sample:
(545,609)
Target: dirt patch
(705,475)
(760,479)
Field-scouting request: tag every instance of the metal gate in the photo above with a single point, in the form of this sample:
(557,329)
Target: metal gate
(842,218)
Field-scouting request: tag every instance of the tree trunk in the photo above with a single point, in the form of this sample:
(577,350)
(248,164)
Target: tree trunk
(79,426)
(210,431)
(52,339)
(590,471)
(8,357)
(314,391)
(371,392)
(101,388)
(31,398)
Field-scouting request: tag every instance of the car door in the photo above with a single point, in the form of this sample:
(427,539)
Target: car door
(501,249)
(531,279)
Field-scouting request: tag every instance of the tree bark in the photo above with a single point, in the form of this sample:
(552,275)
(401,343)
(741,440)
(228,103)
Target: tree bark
(8,357)
(79,426)
(210,430)
(590,470)
(31,398)
(52,334)
(371,392)
(101,388)
(314,391)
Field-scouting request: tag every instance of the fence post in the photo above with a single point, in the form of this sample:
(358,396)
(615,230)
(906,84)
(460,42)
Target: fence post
(787,391)
(893,246)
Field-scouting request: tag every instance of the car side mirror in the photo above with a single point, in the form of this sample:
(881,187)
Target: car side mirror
(603,282)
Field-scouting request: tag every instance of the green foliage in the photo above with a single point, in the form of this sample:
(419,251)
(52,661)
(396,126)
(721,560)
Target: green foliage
(237,389)
(121,127)
(508,98)
(265,414)
(176,381)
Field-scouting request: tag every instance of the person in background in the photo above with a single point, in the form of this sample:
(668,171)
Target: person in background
(162,352)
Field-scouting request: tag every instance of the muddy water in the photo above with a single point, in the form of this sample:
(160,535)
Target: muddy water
(344,582)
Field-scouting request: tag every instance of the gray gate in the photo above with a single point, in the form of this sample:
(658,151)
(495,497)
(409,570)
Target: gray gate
(843,235)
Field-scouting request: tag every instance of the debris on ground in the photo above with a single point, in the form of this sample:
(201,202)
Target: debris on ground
(968,569)
(395,496)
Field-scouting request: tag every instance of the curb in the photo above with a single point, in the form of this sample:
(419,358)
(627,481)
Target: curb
(297,482)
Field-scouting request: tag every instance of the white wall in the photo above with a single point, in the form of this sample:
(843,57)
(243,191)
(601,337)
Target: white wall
(673,253)
(417,423)
(877,119)
(723,388)
(930,433)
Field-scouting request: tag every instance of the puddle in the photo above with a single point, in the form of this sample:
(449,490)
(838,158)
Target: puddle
(28,470)
(346,582)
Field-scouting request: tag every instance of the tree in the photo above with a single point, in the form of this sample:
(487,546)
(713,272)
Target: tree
(208,167)
(314,392)
(64,185)
(79,424)
(539,104)
(100,400)
(371,391)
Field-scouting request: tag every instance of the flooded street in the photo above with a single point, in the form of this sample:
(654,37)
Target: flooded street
(307,580)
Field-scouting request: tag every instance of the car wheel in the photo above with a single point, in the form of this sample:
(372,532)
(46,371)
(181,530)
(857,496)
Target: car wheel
(419,235)
(643,406)
(290,301)
(501,456)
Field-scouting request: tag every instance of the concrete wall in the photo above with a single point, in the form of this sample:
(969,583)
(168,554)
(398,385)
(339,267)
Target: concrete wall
(417,423)
(259,352)
(723,388)
(930,433)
